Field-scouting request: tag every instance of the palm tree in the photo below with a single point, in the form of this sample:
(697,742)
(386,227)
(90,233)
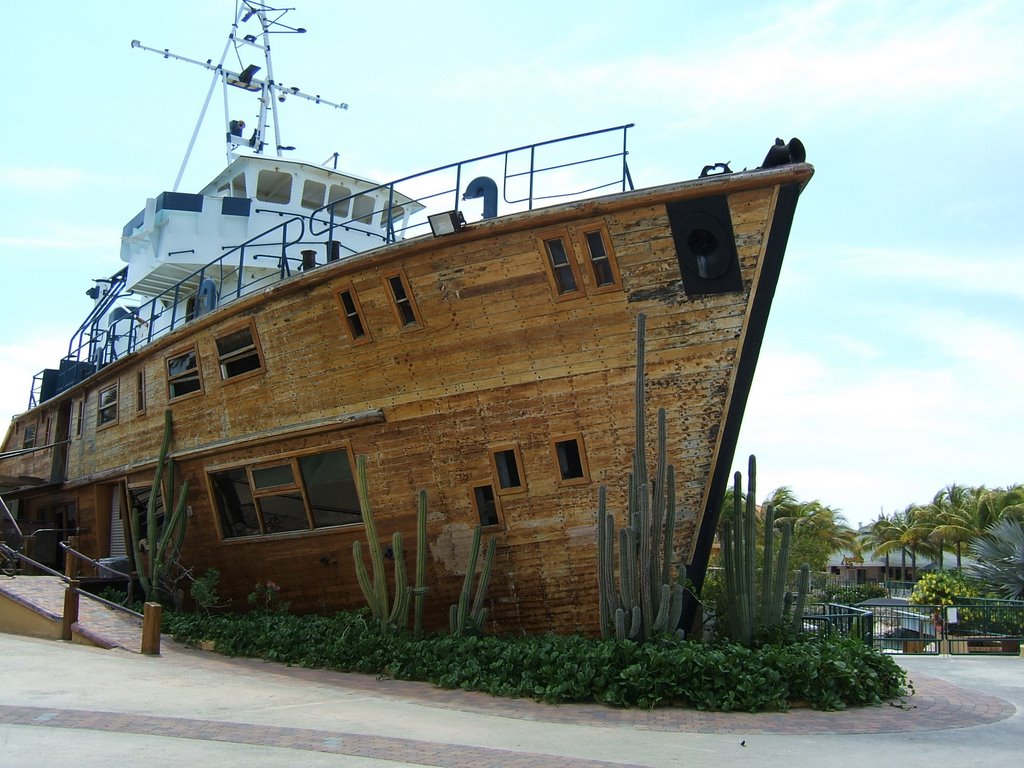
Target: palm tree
(878,533)
(903,531)
(999,504)
(953,517)
(820,528)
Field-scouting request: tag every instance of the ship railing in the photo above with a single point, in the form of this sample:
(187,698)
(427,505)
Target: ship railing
(242,269)
(548,172)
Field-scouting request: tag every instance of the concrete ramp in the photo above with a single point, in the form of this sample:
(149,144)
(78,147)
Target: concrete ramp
(34,606)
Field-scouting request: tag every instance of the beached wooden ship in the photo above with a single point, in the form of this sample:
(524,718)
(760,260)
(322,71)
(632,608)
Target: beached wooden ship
(292,317)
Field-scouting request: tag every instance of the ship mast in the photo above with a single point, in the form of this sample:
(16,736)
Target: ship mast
(268,91)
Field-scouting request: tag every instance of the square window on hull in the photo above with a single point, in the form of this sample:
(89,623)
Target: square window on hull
(238,353)
(298,493)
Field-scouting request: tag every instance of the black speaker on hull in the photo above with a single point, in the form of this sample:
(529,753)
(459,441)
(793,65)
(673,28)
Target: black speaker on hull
(705,246)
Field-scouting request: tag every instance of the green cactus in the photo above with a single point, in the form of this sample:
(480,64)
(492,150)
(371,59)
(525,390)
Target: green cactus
(749,609)
(463,617)
(164,536)
(419,592)
(648,601)
(390,614)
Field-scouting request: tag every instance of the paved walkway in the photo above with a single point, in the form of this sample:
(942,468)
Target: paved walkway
(62,703)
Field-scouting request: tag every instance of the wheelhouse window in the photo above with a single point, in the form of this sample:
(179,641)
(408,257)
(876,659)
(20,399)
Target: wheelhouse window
(485,504)
(563,273)
(397,213)
(402,301)
(363,209)
(238,186)
(313,194)
(183,374)
(238,353)
(570,459)
(603,267)
(352,314)
(342,194)
(274,187)
(506,463)
(297,493)
(107,407)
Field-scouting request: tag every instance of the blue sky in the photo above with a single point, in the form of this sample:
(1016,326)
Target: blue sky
(894,358)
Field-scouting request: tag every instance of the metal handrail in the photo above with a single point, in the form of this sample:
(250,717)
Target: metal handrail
(387,212)
(17,555)
(66,579)
(94,563)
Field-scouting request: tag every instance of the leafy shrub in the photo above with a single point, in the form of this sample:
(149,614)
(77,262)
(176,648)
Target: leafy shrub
(204,589)
(827,674)
(940,588)
(851,594)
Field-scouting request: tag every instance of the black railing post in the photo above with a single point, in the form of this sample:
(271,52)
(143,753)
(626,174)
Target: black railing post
(533,153)
(241,268)
(389,236)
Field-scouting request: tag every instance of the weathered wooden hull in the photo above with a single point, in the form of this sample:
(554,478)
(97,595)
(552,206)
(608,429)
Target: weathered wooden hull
(496,360)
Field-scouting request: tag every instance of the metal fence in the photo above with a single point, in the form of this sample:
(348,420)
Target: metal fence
(970,626)
(835,620)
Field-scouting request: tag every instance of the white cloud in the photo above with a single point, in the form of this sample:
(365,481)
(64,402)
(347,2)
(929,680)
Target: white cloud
(865,438)
(827,59)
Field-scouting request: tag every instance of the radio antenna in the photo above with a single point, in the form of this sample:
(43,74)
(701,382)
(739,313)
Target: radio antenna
(268,91)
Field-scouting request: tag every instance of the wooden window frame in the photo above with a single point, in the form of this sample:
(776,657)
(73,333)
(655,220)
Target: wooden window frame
(232,356)
(33,441)
(140,391)
(194,349)
(346,318)
(500,523)
(410,299)
(101,406)
(274,490)
(79,426)
(571,261)
(494,450)
(613,264)
(292,458)
(577,438)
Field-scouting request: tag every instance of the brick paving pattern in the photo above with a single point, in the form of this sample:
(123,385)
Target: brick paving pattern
(333,742)
(934,705)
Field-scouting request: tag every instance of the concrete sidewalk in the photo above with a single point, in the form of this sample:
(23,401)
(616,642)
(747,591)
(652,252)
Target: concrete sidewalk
(62,703)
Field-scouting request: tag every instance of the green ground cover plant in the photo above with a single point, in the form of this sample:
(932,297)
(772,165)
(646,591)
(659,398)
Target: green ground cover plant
(828,674)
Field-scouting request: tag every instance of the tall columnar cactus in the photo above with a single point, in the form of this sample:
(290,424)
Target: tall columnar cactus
(156,545)
(464,617)
(389,614)
(648,601)
(748,608)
